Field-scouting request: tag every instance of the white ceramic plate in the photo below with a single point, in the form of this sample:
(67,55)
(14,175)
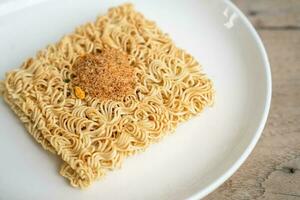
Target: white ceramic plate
(201,154)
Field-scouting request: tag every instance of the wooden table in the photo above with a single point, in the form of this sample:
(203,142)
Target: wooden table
(272,171)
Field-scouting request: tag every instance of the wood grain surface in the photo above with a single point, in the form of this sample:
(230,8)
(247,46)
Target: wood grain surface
(272,171)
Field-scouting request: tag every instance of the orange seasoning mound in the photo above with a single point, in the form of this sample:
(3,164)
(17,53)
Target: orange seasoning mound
(106,75)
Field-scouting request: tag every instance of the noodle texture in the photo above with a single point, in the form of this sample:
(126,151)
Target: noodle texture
(93,136)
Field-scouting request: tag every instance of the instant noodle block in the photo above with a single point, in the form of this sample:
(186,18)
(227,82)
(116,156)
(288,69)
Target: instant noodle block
(163,86)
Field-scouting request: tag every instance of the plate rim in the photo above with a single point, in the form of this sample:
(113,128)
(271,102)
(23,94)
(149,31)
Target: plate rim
(267,68)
